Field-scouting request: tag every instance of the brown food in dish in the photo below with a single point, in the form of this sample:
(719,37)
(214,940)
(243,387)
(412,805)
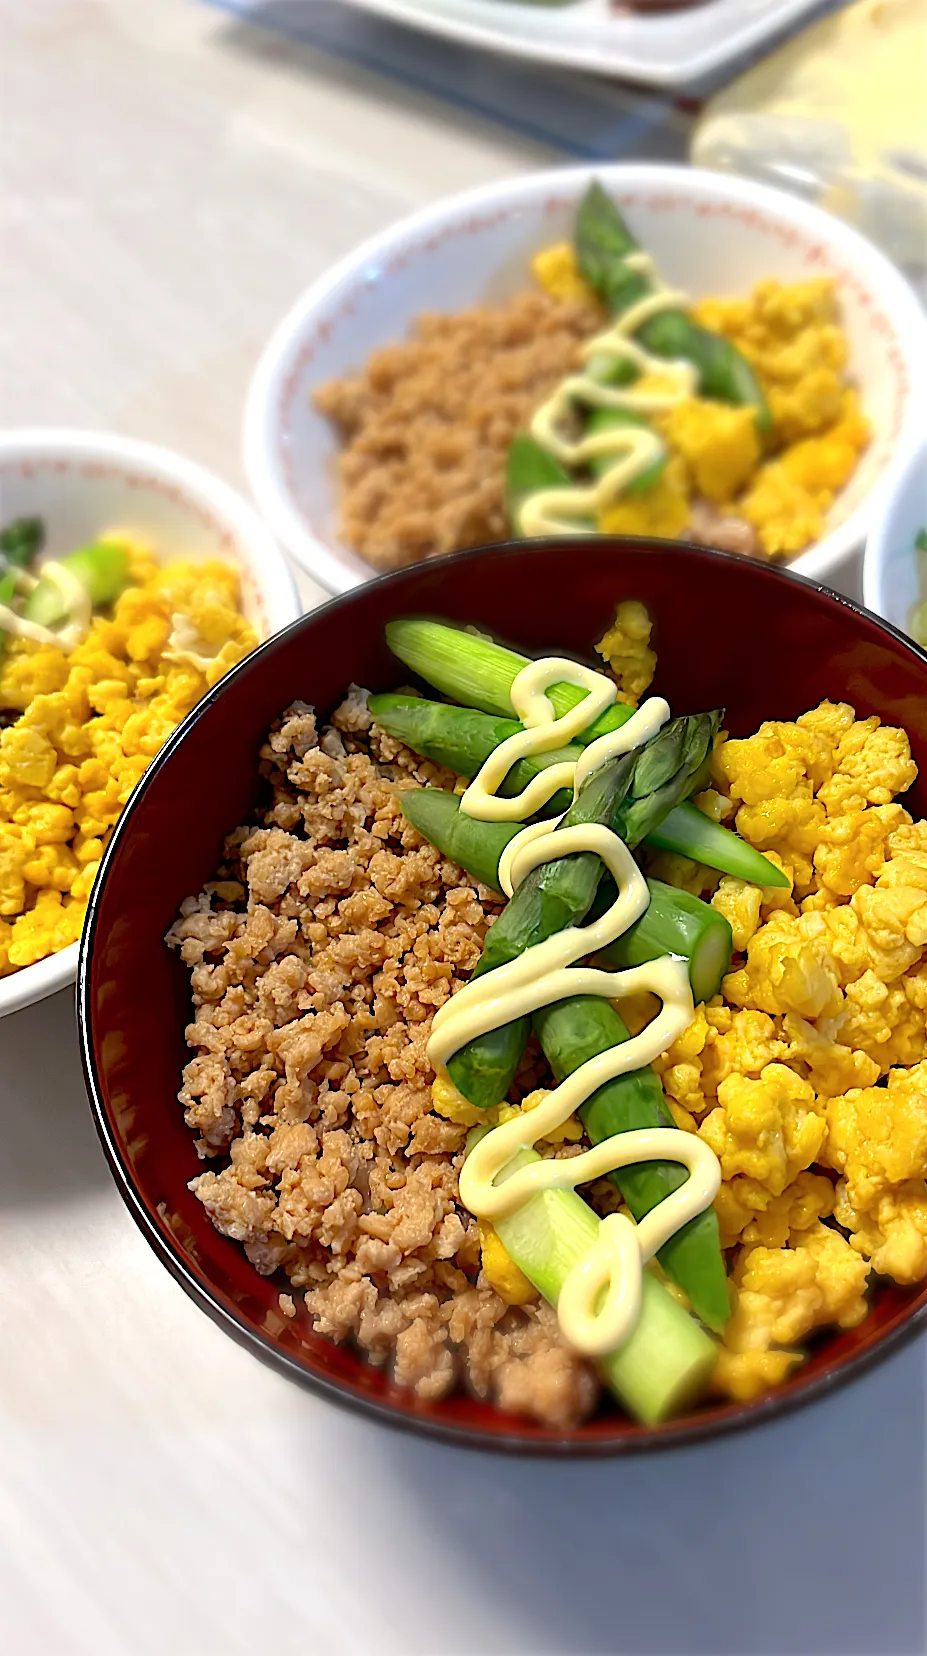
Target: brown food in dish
(427,424)
(318,958)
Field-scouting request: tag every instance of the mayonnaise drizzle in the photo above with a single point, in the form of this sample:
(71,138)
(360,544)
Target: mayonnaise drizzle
(600,1300)
(557,510)
(76,598)
(182,644)
(544,731)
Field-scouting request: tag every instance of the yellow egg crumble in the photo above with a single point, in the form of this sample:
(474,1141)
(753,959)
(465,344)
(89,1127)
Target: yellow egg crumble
(807,1074)
(781,487)
(89,723)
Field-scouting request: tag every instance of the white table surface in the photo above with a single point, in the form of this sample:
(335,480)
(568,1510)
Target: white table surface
(168,181)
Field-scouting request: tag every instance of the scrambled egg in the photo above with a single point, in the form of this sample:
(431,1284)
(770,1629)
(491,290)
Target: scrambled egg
(663,510)
(808,1075)
(500,1269)
(557,271)
(626,651)
(789,497)
(89,723)
(791,335)
(719,445)
(784,486)
(767,1127)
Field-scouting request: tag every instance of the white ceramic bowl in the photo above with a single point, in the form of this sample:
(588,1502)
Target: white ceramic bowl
(710,233)
(82,482)
(893,575)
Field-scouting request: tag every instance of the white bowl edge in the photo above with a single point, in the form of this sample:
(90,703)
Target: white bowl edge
(890,581)
(259,549)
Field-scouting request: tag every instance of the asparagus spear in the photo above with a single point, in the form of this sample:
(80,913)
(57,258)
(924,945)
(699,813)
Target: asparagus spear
(102,569)
(614,419)
(625,795)
(667,1361)
(530,467)
(679,924)
(20,542)
(462,740)
(474,845)
(603,242)
(572,1032)
(479,673)
(579,1028)
(556,895)
(674,922)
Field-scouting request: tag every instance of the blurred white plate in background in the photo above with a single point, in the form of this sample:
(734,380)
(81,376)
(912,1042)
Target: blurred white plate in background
(665,48)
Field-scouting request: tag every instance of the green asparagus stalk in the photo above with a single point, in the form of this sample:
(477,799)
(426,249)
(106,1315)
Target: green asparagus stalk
(556,895)
(583,1026)
(102,569)
(669,768)
(475,846)
(462,740)
(572,1032)
(603,243)
(690,833)
(625,795)
(615,419)
(479,673)
(674,923)
(530,467)
(20,542)
(666,1362)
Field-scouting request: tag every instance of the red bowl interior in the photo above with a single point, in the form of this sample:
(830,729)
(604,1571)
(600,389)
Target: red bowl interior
(728,632)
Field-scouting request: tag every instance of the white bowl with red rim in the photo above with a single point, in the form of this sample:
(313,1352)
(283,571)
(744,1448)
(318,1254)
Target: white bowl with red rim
(710,234)
(84,482)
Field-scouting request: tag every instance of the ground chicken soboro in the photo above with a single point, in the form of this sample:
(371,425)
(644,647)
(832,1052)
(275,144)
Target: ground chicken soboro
(427,424)
(318,957)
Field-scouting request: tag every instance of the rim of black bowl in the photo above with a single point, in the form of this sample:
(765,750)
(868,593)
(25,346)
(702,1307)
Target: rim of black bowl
(719,1422)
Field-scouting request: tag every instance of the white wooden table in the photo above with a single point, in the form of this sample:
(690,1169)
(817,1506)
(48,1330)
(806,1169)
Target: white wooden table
(168,181)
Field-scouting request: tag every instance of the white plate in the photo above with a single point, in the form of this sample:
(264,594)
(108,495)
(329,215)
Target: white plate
(673,48)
